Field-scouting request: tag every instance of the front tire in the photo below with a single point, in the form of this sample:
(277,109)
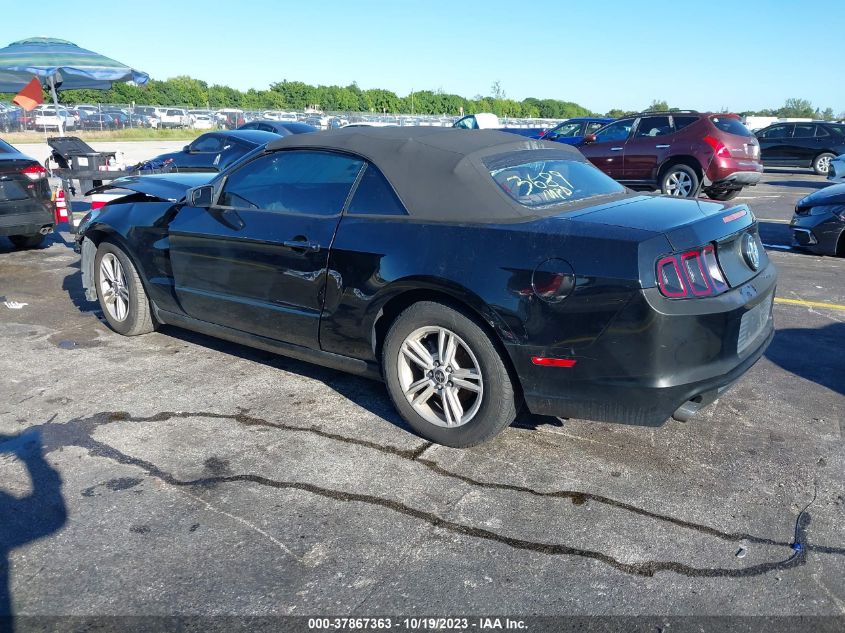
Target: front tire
(821,163)
(679,181)
(27,241)
(446,377)
(122,296)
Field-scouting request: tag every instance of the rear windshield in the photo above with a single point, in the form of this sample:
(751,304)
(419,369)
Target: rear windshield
(5,148)
(730,125)
(546,182)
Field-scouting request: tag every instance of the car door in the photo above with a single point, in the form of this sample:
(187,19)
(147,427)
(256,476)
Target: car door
(647,148)
(607,151)
(256,260)
(804,145)
(774,141)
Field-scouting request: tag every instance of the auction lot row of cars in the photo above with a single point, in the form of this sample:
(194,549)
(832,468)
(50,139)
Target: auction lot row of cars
(363,249)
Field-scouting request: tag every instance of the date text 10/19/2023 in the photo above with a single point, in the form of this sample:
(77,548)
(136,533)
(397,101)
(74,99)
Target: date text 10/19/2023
(416,624)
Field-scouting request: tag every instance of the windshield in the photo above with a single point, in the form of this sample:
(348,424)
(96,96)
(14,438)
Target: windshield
(546,182)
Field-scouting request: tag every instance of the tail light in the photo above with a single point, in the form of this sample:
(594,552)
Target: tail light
(718,146)
(34,172)
(694,273)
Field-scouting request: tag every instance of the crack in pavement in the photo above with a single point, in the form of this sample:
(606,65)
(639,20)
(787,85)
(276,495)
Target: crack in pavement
(78,432)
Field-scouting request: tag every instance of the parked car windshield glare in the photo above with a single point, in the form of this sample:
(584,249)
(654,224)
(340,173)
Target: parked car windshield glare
(546,182)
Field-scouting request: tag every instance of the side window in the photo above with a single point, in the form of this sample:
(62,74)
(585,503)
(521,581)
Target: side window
(653,126)
(777,131)
(821,131)
(617,131)
(804,130)
(207,144)
(594,127)
(307,182)
(682,121)
(375,196)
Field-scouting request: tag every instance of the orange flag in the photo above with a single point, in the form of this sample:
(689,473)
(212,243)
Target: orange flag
(30,96)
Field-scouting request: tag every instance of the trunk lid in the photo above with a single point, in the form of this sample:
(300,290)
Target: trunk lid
(15,186)
(687,225)
(741,144)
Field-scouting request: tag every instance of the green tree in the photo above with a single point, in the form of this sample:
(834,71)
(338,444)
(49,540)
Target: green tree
(658,106)
(797,108)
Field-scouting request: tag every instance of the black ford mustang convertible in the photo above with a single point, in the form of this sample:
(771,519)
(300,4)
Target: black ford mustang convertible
(474,271)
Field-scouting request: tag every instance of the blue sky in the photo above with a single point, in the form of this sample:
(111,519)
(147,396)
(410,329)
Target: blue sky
(702,55)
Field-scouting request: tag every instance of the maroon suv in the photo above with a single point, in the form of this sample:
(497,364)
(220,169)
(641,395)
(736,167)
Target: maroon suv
(680,153)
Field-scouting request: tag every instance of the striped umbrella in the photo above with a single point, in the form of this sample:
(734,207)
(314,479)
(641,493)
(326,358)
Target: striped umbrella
(60,64)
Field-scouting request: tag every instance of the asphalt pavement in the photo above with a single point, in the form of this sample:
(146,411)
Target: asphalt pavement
(173,473)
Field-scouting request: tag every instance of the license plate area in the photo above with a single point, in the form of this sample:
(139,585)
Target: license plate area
(752,324)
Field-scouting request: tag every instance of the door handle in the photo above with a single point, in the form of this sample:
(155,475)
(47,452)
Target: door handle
(662,146)
(616,149)
(301,245)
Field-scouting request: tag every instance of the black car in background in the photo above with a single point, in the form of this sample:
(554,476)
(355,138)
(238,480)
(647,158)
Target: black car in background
(214,151)
(26,210)
(811,144)
(99,122)
(474,270)
(818,224)
(282,128)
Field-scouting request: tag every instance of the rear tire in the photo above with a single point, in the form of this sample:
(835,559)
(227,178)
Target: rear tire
(122,296)
(723,195)
(680,181)
(27,241)
(429,346)
(821,163)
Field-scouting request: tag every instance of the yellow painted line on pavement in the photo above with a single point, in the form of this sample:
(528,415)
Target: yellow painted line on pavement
(810,304)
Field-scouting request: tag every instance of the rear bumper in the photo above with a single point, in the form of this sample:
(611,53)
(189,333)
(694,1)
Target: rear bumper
(737,179)
(658,356)
(25,218)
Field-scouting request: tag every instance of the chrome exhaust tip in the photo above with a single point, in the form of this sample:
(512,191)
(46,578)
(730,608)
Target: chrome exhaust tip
(45,230)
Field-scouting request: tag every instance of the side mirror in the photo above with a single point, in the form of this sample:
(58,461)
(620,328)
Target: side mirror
(590,138)
(202,196)
(551,136)
(187,149)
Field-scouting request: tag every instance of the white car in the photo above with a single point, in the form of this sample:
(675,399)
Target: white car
(202,122)
(46,117)
(836,169)
(175,117)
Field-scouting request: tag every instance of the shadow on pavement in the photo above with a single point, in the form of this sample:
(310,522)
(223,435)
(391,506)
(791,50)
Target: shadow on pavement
(804,184)
(775,233)
(24,520)
(814,354)
(368,394)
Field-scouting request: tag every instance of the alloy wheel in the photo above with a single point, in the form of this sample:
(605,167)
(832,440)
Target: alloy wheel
(679,184)
(823,164)
(113,287)
(440,376)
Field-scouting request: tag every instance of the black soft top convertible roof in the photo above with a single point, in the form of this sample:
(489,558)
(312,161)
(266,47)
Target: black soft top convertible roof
(442,174)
